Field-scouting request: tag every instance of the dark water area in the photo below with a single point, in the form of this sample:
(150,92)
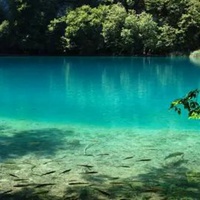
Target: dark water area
(97,91)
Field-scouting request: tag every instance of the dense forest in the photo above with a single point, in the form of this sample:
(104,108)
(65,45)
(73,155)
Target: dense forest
(99,27)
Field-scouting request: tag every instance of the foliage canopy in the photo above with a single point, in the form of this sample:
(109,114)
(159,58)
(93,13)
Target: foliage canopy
(189,103)
(117,27)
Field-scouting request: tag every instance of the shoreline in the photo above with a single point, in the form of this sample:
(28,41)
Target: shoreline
(172,54)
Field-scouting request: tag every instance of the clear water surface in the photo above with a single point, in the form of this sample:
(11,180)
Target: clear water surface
(59,115)
(97,91)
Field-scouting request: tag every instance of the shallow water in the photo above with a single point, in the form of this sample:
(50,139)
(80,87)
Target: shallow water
(97,128)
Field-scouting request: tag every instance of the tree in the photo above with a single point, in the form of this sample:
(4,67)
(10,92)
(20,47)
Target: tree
(189,103)
(28,22)
(137,5)
(56,30)
(148,31)
(83,29)
(112,28)
(189,23)
(99,26)
(167,11)
(139,33)
(4,35)
(167,39)
(130,33)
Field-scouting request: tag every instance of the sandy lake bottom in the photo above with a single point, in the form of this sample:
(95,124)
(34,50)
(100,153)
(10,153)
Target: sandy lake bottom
(48,161)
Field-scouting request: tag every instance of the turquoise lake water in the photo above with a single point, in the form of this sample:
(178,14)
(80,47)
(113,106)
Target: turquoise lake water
(97,91)
(97,128)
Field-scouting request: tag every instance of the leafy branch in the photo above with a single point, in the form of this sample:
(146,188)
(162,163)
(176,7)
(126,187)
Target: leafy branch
(189,103)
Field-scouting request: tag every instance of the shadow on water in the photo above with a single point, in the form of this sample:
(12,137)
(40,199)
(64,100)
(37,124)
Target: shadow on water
(27,194)
(41,142)
(169,182)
